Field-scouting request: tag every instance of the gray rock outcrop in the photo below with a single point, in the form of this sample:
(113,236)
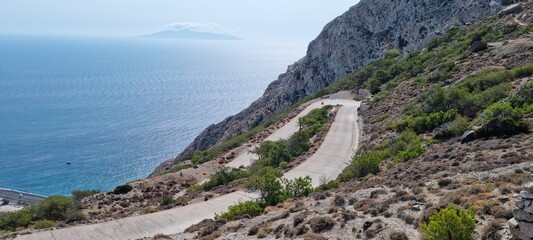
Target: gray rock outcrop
(521,226)
(354,39)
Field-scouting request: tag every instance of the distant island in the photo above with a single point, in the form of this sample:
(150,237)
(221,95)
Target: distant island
(191,35)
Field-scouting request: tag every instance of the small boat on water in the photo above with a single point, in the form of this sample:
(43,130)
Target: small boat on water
(68,163)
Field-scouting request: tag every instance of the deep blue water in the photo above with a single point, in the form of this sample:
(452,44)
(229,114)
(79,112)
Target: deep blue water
(116,108)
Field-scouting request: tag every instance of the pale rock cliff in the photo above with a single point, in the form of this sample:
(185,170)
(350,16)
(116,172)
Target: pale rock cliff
(352,40)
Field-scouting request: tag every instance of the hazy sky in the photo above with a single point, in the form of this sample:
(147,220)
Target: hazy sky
(249,19)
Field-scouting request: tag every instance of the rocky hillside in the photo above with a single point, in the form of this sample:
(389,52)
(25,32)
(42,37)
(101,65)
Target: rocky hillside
(414,162)
(350,41)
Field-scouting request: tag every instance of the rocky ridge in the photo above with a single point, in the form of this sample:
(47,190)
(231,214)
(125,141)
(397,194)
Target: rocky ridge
(486,174)
(350,41)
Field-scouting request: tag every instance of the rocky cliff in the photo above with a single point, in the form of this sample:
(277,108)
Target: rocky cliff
(352,40)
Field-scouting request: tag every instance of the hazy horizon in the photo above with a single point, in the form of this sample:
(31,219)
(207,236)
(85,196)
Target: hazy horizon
(276,20)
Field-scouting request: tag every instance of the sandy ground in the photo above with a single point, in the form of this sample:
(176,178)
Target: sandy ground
(9,208)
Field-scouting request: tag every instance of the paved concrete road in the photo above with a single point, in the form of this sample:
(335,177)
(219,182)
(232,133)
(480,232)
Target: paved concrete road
(337,149)
(165,222)
(328,161)
(245,157)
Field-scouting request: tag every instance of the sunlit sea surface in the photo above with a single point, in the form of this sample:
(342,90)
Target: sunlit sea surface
(116,108)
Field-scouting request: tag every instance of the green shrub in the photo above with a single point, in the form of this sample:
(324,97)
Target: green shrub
(392,53)
(298,143)
(522,97)
(281,152)
(80,194)
(455,128)
(224,176)
(54,208)
(324,186)
(283,165)
(368,163)
(42,224)
(299,187)
(269,187)
(239,210)
(316,116)
(12,220)
(122,189)
(502,120)
(166,201)
(426,122)
(450,224)
(273,152)
(405,146)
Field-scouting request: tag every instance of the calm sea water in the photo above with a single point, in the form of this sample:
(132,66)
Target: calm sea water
(116,108)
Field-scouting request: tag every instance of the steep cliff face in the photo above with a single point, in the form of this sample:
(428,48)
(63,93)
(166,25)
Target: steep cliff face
(352,40)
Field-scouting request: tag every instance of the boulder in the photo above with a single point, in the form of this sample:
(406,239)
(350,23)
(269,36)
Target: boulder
(521,215)
(468,136)
(512,9)
(525,195)
(526,228)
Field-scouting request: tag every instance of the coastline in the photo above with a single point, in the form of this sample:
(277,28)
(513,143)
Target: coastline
(16,197)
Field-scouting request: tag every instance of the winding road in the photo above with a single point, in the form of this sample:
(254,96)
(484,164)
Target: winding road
(327,163)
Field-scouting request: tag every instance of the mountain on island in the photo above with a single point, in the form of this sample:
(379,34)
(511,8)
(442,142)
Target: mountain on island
(190,35)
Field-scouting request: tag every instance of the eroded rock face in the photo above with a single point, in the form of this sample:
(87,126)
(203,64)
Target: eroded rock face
(352,40)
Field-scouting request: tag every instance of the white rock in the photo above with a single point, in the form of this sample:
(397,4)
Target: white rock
(512,223)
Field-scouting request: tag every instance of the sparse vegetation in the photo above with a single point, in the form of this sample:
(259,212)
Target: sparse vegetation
(279,153)
(224,176)
(321,224)
(240,210)
(80,194)
(43,215)
(12,220)
(42,224)
(403,147)
(122,189)
(166,201)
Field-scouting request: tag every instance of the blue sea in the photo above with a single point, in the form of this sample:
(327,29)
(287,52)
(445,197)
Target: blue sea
(116,108)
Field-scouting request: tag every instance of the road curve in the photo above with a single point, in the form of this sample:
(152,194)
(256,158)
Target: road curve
(336,152)
(329,160)
(245,157)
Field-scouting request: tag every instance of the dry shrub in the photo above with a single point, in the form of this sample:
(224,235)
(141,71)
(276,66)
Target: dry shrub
(321,224)
(377,193)
(263,233)
(444,182)
(253,230)
(363,205)
(333,209)
(161,237)
(298,219)
(313,236)
(339,201)
(398,236)
(490,231)
(197,227)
